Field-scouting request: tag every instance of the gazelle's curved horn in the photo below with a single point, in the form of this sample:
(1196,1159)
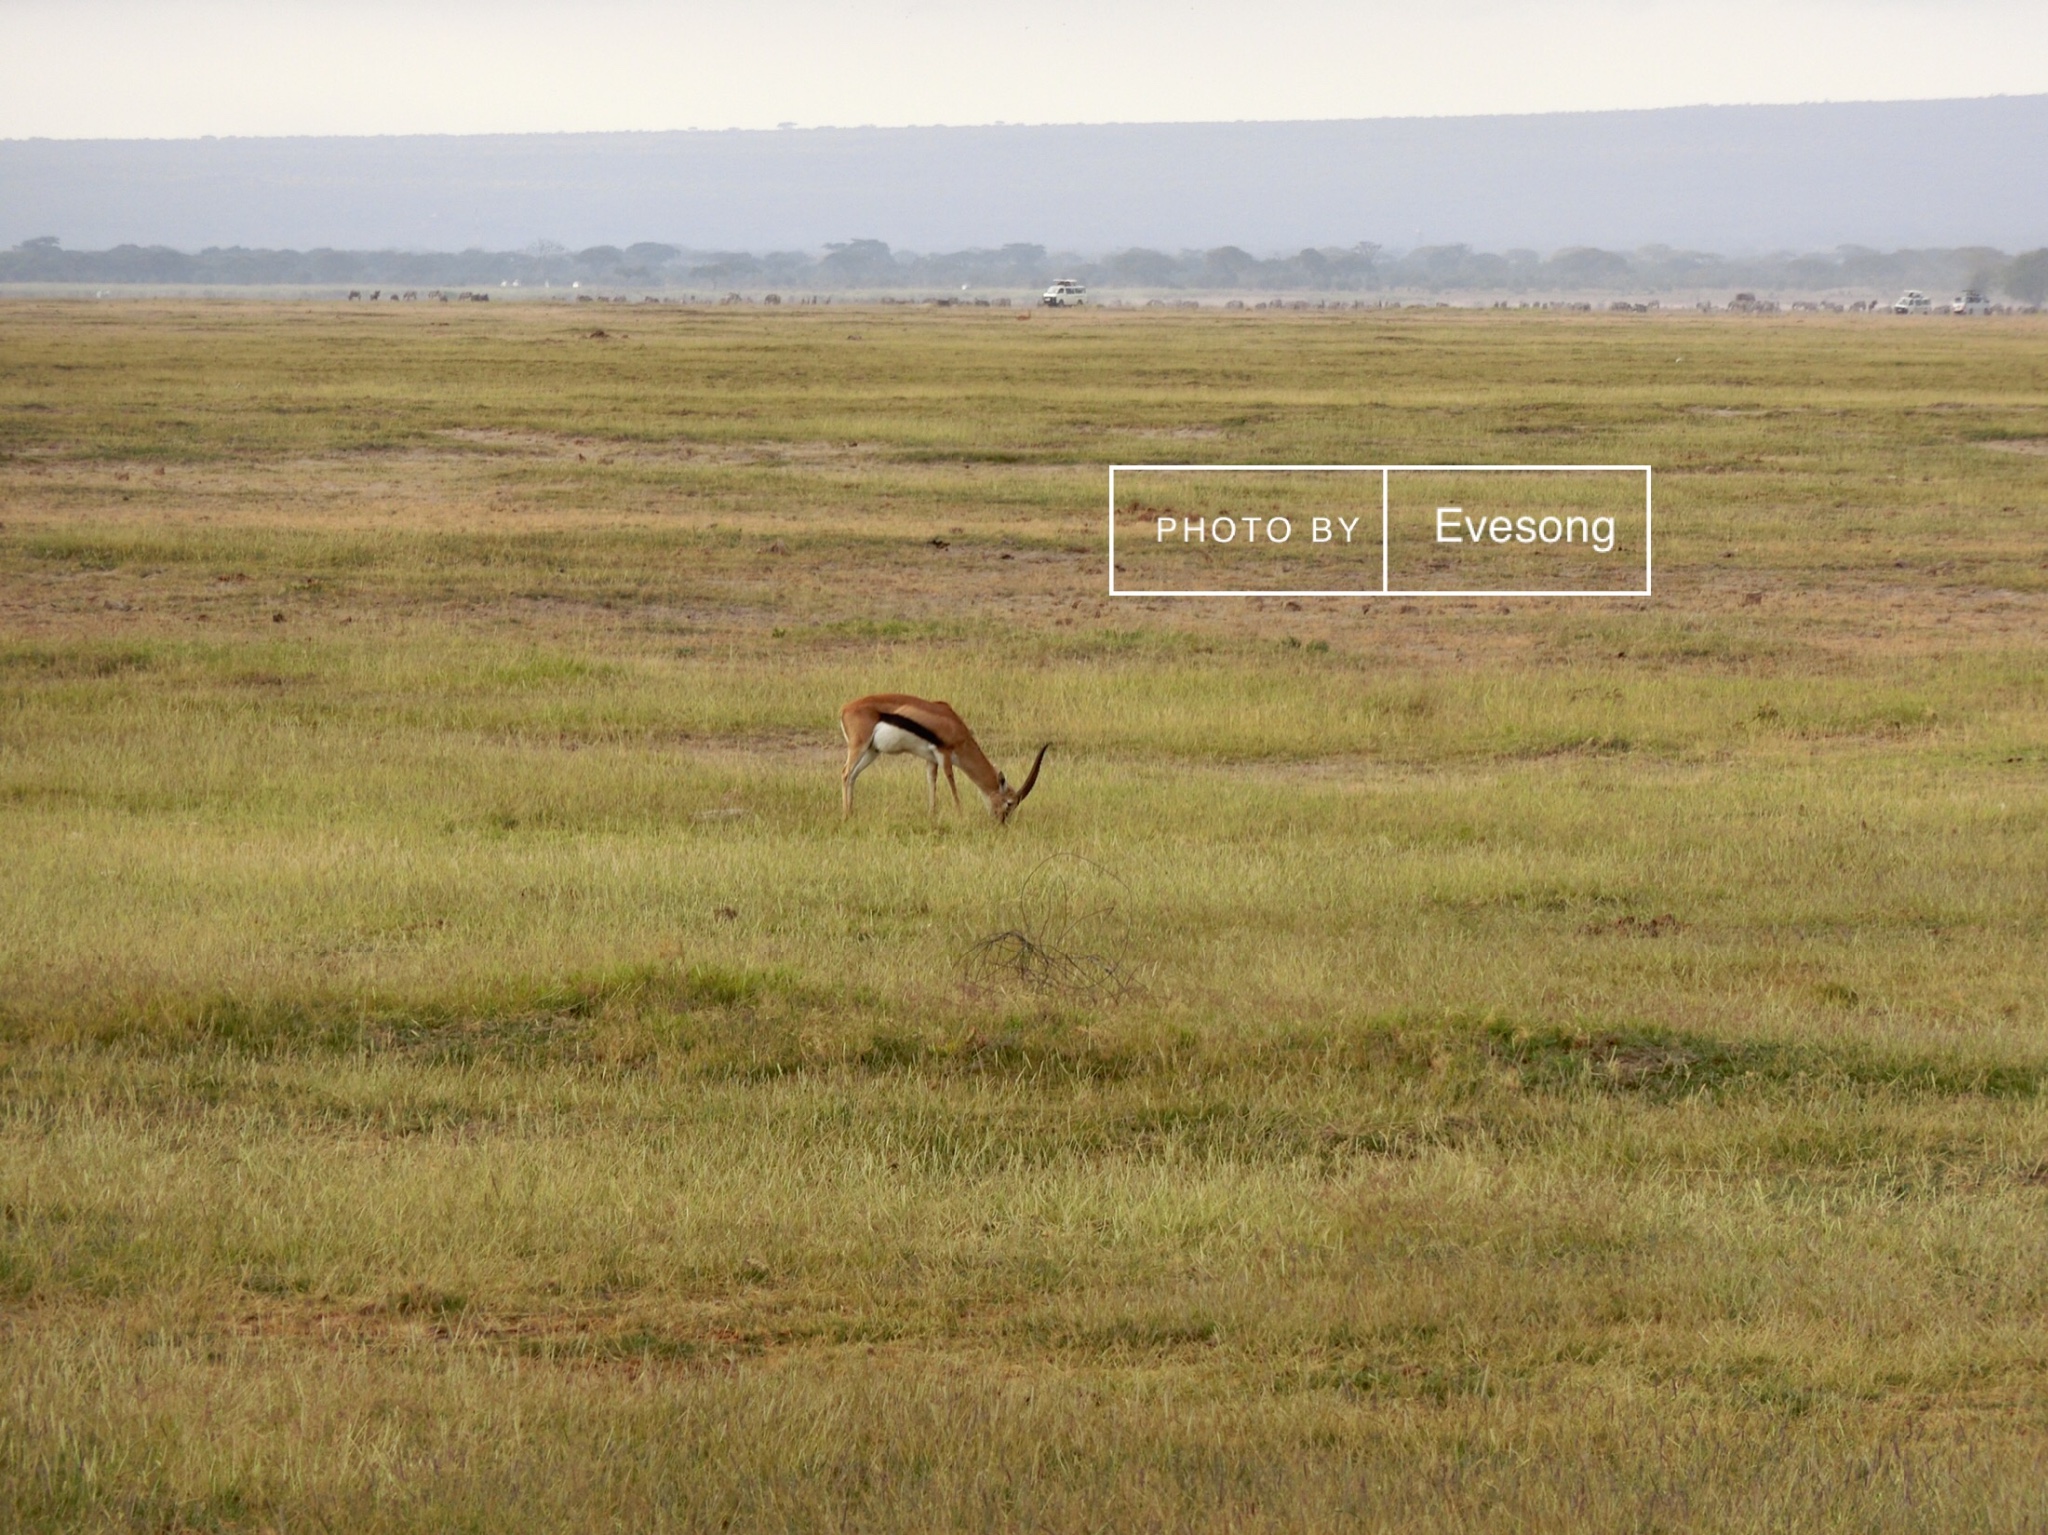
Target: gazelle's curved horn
(1032,777)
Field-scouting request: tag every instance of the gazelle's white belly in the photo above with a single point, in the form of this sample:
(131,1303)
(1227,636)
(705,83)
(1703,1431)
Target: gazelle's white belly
(889,740)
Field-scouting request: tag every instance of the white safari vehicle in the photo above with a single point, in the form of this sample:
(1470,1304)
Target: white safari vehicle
(1063,293)
(1971,302)
(1912,301)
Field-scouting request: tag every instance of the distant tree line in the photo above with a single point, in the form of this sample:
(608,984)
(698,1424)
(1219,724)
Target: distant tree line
(871,265)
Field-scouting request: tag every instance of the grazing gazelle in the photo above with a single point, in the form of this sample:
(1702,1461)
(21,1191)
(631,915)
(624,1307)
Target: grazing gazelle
(883,723)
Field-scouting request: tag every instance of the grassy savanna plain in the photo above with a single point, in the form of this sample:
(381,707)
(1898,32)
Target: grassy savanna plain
(1581,1064)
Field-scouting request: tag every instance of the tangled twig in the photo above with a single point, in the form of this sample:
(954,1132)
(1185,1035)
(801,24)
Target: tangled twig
(1065,934)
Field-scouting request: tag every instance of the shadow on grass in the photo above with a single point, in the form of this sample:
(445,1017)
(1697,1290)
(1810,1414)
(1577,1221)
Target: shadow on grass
(1661,1063)
(739,1024)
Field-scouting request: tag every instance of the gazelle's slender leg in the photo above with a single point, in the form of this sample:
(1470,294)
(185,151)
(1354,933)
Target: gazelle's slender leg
(856,764)
(951,782)
(931,783)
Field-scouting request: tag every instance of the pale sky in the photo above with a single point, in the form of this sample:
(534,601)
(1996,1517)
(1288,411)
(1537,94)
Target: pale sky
(183,68)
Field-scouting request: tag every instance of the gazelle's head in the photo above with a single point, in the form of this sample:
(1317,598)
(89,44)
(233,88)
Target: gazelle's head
(1007,799)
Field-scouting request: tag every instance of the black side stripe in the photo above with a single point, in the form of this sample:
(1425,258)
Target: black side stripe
(904,722)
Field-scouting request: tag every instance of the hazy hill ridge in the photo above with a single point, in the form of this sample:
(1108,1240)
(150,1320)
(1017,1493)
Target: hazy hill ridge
(1885,175)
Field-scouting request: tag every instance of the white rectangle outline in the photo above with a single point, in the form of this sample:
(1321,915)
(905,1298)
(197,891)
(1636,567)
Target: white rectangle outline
(1386,472)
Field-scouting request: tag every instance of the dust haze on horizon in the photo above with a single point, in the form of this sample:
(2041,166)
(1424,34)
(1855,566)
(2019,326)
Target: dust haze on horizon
(191,68)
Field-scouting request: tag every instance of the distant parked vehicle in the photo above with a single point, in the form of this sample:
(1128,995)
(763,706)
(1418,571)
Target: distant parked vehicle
(1063,293)
(1912,301)
(1971,302)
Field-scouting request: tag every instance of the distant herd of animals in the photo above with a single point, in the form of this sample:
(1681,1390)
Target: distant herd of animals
(412,295)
